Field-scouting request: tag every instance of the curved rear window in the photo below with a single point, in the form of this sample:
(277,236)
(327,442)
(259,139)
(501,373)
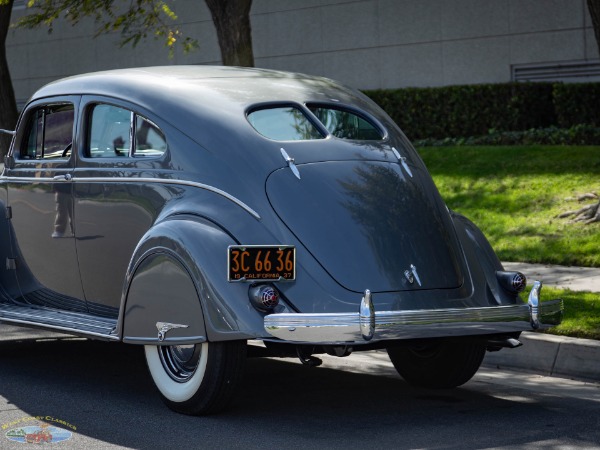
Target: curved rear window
(285,123)
(344,124)
(290,123)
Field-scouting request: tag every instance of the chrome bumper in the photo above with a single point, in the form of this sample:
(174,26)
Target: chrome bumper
(368,325)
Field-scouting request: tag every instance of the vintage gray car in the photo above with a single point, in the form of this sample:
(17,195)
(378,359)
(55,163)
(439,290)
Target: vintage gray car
(192,209)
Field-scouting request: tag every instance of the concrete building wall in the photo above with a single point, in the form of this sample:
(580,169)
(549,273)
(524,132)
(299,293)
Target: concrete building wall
(365,43)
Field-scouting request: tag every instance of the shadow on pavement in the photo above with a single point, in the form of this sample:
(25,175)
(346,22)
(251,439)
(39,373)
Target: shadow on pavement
(105,391)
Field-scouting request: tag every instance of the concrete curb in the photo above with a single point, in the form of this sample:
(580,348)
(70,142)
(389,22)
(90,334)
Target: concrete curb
(550,355)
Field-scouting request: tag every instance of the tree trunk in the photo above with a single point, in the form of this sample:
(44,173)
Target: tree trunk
(8,104)
(232,21)
(594,8)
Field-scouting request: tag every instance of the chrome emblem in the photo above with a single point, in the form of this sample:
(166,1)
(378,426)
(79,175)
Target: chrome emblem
(164,328)
(411,275)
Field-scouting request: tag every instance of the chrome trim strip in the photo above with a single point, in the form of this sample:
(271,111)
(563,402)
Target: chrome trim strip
(74,331)
(348,327)
(141,180)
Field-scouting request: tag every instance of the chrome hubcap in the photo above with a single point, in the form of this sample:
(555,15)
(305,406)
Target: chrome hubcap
(180,361)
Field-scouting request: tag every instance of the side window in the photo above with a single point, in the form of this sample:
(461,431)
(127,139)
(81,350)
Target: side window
(109,132)
(111,129)
(50,133)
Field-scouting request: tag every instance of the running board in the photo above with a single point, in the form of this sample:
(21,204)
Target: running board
(66,321)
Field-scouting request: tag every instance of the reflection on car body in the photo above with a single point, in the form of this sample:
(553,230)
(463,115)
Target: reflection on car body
(191,209)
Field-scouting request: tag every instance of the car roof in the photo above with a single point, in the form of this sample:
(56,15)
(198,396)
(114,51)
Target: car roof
(232,85)
(193,98)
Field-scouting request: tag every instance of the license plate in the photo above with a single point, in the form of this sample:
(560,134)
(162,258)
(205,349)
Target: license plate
(261,263)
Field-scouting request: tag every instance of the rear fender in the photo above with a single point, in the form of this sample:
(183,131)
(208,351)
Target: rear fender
(177,278)
(483,264)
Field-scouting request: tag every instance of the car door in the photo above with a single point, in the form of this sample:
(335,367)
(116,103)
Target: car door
(40,197)
(115,204)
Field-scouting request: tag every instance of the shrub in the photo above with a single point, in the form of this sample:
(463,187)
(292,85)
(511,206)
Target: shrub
(474,110)
(577,103)
(470,110)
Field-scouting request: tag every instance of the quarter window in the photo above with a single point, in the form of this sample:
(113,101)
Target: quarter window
(149,140)
(119,132)
(50,133)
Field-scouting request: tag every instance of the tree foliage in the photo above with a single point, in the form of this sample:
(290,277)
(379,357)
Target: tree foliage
(135,20)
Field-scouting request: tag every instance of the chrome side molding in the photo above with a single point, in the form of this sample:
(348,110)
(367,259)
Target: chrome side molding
(165,181)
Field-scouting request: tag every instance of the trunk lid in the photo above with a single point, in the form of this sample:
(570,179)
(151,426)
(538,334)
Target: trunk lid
(369,222)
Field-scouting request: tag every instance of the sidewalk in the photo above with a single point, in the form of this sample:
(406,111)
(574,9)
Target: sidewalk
(551,355)
(562,277)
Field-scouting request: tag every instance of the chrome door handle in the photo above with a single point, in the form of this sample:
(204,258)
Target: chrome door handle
(65,177)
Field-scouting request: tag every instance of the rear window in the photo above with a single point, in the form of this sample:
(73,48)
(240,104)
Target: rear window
(284,124)
(290,123)
(344,124)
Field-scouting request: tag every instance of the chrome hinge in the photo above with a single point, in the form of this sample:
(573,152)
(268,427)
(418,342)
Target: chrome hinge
(11,264)
(290,162)
(402,161)
(9,212)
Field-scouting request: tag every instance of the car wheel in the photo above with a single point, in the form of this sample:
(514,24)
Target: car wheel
(197,379)
(438,364)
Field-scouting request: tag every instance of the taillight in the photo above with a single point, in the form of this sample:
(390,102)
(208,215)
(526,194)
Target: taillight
(513,282)
(264,297)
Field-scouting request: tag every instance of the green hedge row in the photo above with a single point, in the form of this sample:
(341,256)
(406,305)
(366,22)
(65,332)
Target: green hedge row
(474,110)
(577,104)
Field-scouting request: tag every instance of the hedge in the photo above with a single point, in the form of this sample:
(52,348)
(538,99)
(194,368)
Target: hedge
(577,103)
(474,110)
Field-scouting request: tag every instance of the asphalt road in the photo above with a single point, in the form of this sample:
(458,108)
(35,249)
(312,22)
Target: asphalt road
(105,392)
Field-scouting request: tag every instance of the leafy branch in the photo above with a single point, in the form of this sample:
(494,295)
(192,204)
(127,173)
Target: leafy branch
(136,21)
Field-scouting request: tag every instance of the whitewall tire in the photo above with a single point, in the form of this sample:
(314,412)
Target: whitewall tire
(197,379)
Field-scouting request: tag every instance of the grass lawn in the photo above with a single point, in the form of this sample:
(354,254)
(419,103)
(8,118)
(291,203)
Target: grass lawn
(514,193)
